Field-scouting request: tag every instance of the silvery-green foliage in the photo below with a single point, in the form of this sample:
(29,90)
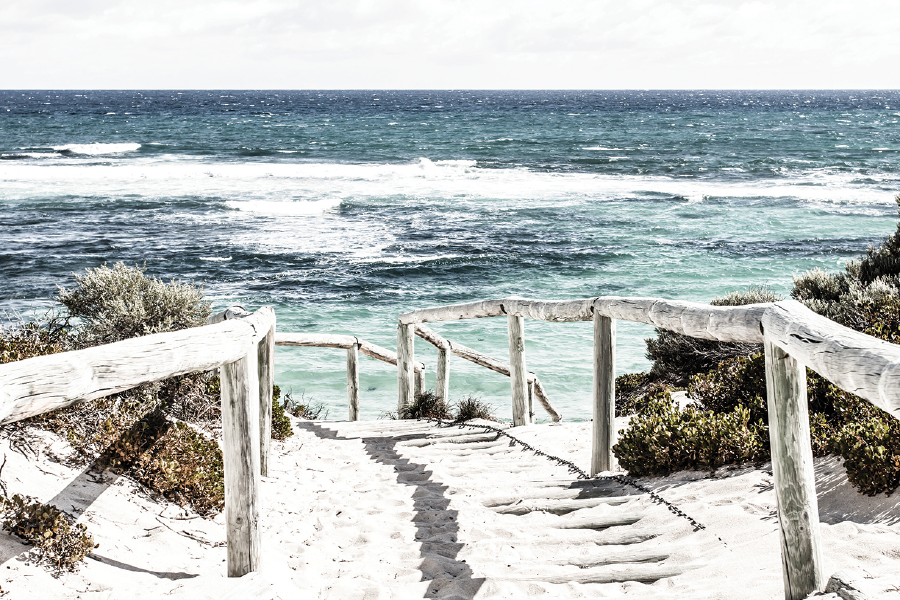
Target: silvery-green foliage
(123,302)
(847,297)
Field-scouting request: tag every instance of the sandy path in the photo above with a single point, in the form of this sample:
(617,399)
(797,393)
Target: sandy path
(388,509)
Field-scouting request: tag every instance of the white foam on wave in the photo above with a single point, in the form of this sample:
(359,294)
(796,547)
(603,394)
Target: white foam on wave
(31,155)
(311,188)
(285,207)
(216,258)
(97,148)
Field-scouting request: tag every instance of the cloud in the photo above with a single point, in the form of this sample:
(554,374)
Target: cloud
(449,44)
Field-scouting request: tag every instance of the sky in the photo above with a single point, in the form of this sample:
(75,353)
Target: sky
(449,44)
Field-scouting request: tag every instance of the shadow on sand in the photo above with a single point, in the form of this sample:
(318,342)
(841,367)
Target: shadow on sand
(437,526)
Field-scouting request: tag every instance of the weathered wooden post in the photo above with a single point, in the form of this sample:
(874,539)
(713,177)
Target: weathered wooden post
(266,361)
(241,453)
(531,401)
(419,375)
(442,375)
(518,375)
(792,467)
(604,394)
(405,389)
(353,381)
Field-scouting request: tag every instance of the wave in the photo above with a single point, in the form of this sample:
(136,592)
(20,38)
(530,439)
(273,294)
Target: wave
(285,208)
(311,188)
(24,155)
(96,149)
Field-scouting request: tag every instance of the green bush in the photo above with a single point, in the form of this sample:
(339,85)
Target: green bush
(735,382)
(28,340)
(732,415)
(281,425)
(427,405)
(471,407)
(56,540)
(871,451)
(172,459)
(122,302)
(864,296)
(662,438)
(634,389)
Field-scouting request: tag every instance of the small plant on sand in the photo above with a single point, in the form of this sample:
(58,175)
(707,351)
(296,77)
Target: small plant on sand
(173,459)
(281,424)
(310,409)
(427,405)
(471,407)
(57,541)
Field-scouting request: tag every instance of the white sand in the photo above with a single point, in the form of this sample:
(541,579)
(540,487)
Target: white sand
(378,510)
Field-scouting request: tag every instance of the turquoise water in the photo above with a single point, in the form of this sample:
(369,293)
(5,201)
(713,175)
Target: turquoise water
(344,209)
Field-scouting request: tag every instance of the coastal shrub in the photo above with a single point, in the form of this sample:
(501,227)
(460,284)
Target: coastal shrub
(864,296)
(20,340)
(310,410)
(57,540)
(173,459)
(677,357)
(871,452)
(471,407)
(633,390)
(281,425)
(122,302)
(739,381)
(663,438)
(427,405)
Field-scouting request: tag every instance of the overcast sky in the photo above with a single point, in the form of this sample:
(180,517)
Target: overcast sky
(352,44)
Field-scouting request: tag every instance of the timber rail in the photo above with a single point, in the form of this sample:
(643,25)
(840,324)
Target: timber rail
(793,338)
(243,351)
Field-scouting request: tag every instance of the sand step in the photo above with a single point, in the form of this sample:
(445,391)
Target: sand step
(558,494)
(557,508)
(472,510)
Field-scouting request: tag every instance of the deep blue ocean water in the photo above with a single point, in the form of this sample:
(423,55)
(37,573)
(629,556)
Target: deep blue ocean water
(344,209)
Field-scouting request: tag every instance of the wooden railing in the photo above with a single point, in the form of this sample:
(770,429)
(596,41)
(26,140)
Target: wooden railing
(354,346)
(442,378)
(793,337)
(243,351)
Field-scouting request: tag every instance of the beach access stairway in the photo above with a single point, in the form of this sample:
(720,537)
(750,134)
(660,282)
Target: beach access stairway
(417,509)
(242,348)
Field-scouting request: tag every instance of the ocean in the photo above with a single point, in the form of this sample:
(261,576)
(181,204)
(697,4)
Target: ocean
(343,209)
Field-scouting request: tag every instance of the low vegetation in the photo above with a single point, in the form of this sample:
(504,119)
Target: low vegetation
(161,434)
(281,424)
(428,405)
(729,424)
(57,541)
(309,409)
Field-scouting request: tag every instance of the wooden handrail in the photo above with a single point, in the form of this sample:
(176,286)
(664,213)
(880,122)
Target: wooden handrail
(794,338)
(352,345)
(37,385)
(240,344)
(536,389)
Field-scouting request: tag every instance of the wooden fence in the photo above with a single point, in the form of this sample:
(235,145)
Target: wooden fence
(793,338)
(354,346)
(243,351)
